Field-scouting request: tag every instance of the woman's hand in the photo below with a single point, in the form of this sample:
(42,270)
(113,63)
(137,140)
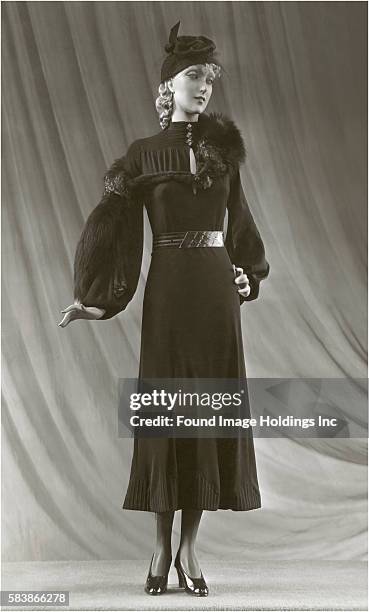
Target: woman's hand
(242,279)
(79,311)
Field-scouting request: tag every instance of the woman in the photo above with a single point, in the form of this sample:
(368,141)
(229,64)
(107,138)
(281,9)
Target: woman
(187,176)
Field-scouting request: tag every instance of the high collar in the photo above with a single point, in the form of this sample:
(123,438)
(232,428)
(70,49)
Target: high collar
(183,126)
(174,123)
(182,133)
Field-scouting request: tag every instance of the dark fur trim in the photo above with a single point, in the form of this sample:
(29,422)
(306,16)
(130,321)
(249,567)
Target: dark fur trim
(108,256)
(223,133)
(96,246)
(117,179)
(220,149)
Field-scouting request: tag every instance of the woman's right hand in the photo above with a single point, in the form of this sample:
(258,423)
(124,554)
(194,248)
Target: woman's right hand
(79,311)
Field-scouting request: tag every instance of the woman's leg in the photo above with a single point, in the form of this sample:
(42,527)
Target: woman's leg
(163,549)
(187,555)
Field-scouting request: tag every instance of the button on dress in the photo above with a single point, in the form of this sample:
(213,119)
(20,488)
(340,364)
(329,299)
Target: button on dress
(191,324)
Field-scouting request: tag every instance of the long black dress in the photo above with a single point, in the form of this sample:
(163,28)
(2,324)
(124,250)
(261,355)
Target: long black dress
(191,324)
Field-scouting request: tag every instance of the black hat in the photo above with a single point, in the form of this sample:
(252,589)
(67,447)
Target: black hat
(186,50)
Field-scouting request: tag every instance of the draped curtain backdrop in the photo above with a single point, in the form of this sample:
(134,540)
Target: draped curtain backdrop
(79,84)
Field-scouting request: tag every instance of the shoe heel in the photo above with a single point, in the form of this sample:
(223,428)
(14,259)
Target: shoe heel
(181,582)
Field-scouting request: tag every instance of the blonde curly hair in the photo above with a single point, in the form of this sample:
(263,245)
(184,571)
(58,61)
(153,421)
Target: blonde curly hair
(164,102)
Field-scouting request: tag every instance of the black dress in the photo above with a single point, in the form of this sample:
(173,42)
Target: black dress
(191,325)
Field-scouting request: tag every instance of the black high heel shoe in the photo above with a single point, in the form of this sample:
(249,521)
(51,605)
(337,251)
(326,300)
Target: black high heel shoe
(193,586)
(156,585)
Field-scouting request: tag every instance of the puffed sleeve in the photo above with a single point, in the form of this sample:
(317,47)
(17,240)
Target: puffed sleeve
(243,241)
(108,256)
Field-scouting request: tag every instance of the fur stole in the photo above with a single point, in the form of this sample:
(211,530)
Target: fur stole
(220,148)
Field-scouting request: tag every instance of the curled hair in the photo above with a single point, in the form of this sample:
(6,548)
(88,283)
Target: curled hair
(164,101)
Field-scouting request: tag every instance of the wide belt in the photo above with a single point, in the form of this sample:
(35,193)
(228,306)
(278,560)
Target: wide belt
(189,239)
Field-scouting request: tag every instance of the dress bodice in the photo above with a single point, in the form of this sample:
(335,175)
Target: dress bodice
(179,195)
(172,205)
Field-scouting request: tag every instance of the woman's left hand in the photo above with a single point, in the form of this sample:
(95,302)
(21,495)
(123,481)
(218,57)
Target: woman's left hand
(242,279)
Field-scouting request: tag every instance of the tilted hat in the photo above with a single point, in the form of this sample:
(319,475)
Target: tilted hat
(184,51)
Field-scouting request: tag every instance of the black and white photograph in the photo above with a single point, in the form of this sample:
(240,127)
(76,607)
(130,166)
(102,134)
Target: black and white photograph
(184,305)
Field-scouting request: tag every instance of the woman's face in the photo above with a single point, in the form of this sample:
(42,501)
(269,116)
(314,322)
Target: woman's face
(192,88)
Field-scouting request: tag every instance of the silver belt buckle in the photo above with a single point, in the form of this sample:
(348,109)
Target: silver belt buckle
(202,239)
